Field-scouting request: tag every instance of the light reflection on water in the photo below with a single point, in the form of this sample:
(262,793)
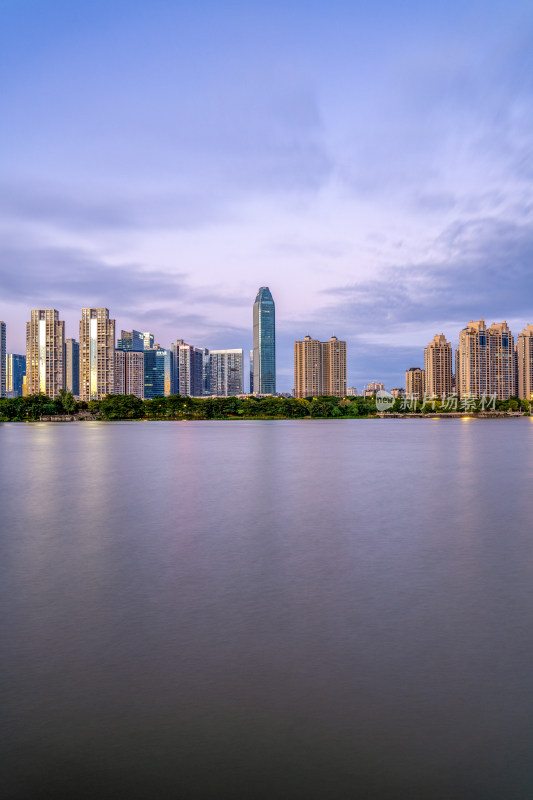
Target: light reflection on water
(268,609)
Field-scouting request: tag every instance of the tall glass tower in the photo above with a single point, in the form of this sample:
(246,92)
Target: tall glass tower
(264,342)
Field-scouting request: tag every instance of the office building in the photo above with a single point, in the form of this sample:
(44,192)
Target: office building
(158,373)
(251,371)
(45,353)
(351,391)
(72,366)
(486,361)
(97,354)
(15,374)
(415,382)
(226,372)
(319,367)
(148,339)
(264,332)
(3,365)
(524,353)
(438,367)
(134,340)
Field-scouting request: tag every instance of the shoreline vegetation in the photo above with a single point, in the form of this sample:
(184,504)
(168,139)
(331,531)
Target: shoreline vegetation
(64,408)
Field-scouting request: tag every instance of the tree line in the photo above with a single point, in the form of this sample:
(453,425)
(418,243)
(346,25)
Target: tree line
(124,407)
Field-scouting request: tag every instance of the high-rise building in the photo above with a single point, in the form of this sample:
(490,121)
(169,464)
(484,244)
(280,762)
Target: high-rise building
(438,366)
(45,352)
(129,372)
(524,353)
(334,367)
(15,374)
(97,354)
(226,372)
(319,367)
(251,371)
(133,340)
(486,361)
(415,382)
(189,369)
(2,359)
(264,317)
(148,339)
(72,366)
(158,373)
(206,370)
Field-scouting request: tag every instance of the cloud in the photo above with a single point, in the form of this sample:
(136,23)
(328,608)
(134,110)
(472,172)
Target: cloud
(485,269)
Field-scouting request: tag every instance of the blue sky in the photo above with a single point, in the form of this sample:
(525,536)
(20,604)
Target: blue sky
(372,163)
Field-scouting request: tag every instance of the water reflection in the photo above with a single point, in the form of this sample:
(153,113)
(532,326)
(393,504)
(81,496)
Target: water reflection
(312,609)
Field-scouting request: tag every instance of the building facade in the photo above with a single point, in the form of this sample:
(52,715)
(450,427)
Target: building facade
(158,373)
(486,361)
(226,372)
(45,352)
(415,382)
(97,354)
(129,372)
(15,374)
(133,340)
(264,337)
(438,367)
(319,367)
(251,383)
(524,354)
(72,366)
(3,365)
(189,369)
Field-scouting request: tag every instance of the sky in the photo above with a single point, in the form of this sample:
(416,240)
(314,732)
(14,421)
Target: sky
(372,163)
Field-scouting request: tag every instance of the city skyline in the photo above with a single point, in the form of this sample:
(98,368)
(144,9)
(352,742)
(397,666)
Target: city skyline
(376,175)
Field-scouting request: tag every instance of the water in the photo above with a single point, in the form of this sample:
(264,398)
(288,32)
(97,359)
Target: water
(316,609)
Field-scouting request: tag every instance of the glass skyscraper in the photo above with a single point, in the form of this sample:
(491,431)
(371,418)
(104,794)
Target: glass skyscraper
(264,343)
(157,373)
(15,372)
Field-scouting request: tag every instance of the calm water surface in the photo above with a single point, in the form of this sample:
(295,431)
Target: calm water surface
(329,609)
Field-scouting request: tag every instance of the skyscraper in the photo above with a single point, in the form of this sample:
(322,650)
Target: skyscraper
(133,340)
(72,366)
(415,382)
(97,354)
(226,372)
(45,352)
(15,372)
(148,339)
(264,317)
(319,367)
(188,367)
(2,359)
(158,373)
(524,352)
(438,363)
(251,371)
(129,372)
(486,361)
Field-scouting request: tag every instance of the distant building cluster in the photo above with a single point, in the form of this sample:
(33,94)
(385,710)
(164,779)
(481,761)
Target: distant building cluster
(97,364)
(488,363)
